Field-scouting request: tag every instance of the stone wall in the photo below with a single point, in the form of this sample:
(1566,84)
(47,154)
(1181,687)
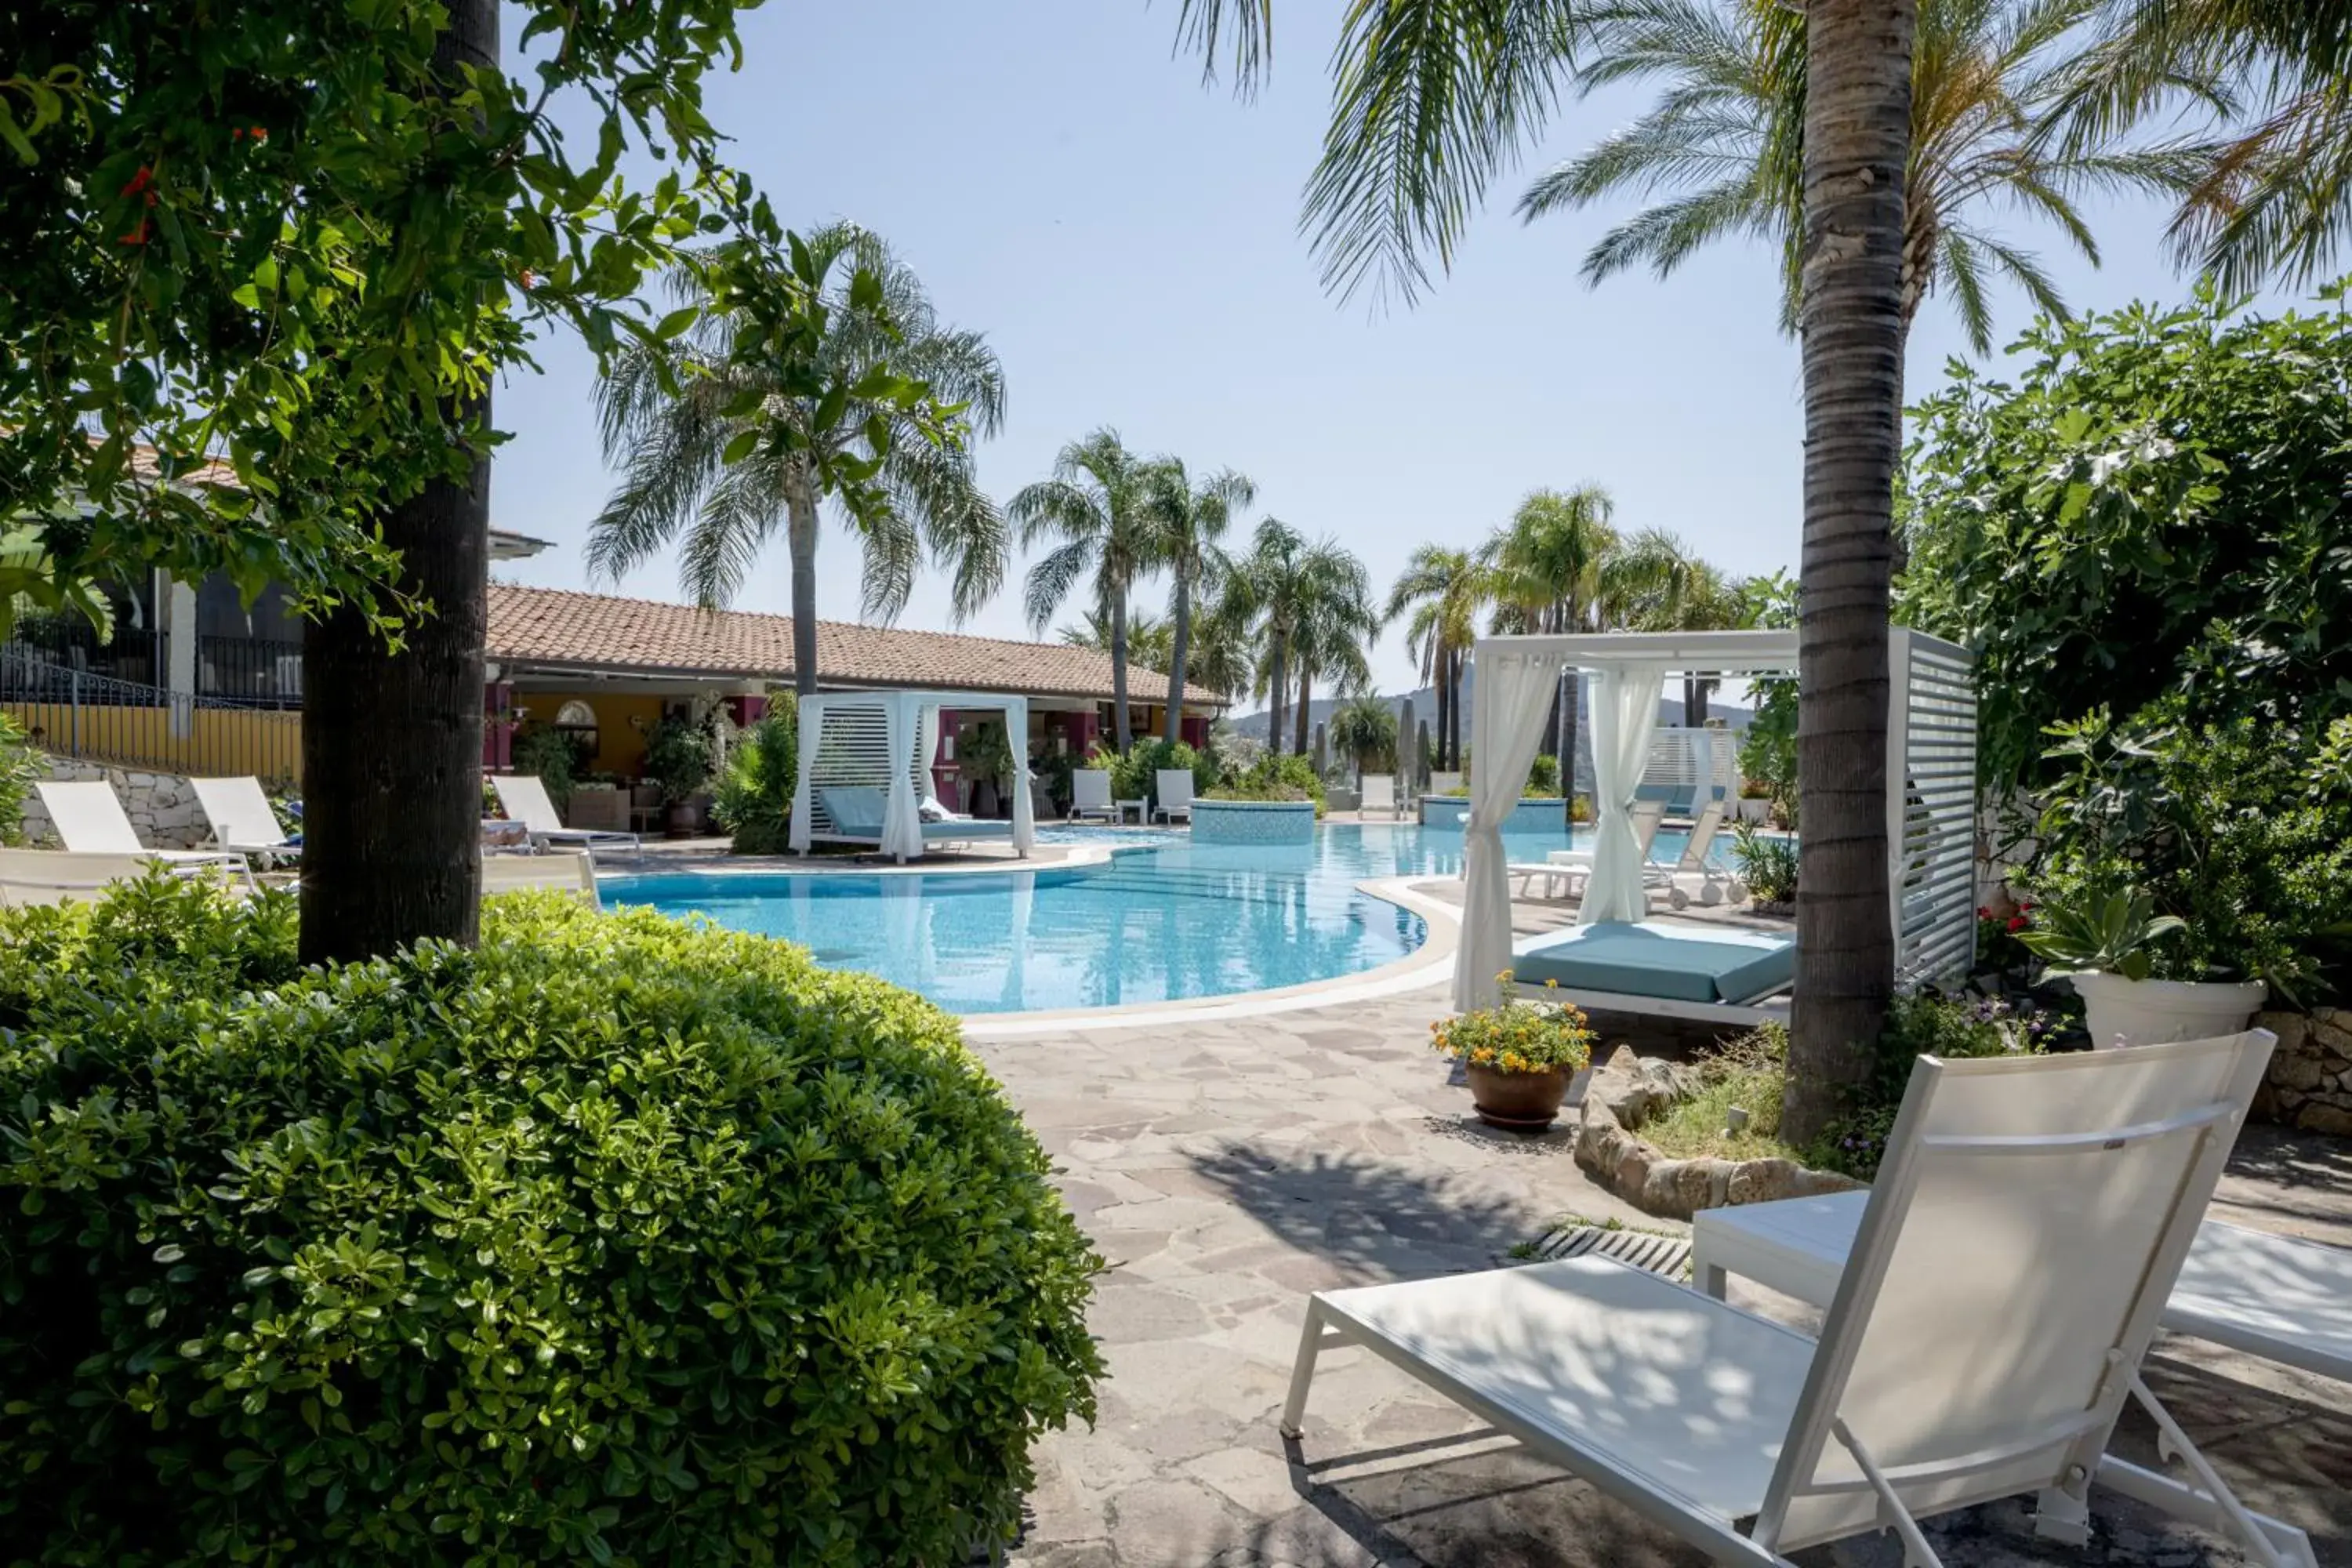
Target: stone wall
(1626,1090)
(2310,1080)
(161,807)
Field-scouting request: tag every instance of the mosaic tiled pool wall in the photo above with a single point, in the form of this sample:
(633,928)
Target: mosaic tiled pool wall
(1535,815)
(1253,822)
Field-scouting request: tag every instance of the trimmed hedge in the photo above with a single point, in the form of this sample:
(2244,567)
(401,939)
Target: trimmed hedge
(619,1239)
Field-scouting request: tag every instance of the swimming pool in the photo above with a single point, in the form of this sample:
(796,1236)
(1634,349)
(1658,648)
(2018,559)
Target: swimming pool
(1165,921)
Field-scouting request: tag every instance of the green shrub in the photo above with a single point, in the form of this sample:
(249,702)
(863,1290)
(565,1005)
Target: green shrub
(754,802)
(19,766)
(1543,775)
(677,758)
(1919,1025)
(620,1239)
(1285,777)
(1135,775)
(549,754)
(1767,863)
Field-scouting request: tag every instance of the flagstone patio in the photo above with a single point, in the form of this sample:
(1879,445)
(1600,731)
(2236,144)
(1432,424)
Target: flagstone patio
(1226,1168)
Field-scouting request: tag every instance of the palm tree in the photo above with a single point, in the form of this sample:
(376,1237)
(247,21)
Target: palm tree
(1288,593)
(1336,624)
(1671,588)
(1191,518)
(1430,101)
(1442,590)
(1552,570)
(1097,506)
(721,452)
(1150,637)
(1989,77)
(1366,730)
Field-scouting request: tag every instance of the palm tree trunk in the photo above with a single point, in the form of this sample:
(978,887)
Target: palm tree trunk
(1123,721)
(1277,677)
(1442,699)
(1179,639)
(1571,702)
(1306,700)
(1857,132)
(1693,701)
(392,743)
(803,523)
(1461,663)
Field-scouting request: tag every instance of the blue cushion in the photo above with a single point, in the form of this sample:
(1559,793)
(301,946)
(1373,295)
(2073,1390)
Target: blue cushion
(855,809)
(1673,963)
(968,828)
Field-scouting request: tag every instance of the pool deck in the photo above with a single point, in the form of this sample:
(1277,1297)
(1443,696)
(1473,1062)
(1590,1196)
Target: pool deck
(1227,1168)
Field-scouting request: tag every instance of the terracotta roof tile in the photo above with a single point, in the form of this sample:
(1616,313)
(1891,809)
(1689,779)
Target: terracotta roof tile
(560,626)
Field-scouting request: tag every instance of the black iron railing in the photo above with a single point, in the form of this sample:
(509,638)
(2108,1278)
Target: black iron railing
(249,669)
(70,712)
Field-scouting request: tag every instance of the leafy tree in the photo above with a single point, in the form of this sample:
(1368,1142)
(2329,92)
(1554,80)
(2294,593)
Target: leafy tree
(1441,591)
(1192,520)
(2154,507)
(754,799)
(719,442)
(1670,587)
(1150,639)
(1098,510)
(1987,77)
(1298,597)
(296,243)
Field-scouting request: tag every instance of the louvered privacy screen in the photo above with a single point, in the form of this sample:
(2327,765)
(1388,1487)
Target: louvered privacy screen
(1931,747)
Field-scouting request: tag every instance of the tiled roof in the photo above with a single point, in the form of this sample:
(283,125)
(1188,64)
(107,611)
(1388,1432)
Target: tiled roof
(559,627)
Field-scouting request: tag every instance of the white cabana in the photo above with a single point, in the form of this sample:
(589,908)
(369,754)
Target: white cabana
(1931,769)
(866,771)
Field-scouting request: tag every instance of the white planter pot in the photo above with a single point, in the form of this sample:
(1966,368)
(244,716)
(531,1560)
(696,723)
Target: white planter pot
(1753,809)
(2157,1012)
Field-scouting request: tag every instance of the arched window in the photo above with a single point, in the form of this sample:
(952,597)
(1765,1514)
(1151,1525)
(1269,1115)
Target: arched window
(576,722)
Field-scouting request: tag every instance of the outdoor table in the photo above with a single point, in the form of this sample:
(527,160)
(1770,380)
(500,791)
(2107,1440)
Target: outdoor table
(1139,806)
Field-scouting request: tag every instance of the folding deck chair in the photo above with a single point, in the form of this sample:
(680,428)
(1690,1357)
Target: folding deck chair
(242,820)
(31,877)
(90,820)
(2030,1218)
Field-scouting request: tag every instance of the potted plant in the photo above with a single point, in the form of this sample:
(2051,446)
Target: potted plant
(2106,945)
(986,759)
(1755,800)
(1768,869)
(678,761)
(1518,1055)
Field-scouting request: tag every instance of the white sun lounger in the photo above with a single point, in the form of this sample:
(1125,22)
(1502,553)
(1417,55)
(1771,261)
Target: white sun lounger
(2273,1296)
(2030,1218)
(90,820)
(1380,795)
(241,819)
(1090,795)
(565,871)
(31,877)
(1175,787)
(523,797)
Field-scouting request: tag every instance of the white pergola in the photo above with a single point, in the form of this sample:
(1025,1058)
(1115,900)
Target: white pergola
(1930,770)
(885,740)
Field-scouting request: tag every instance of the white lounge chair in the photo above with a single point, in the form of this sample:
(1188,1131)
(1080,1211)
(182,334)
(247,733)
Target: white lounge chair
(1175,790)
(1090,795)
(1714,883)
(1559,881)
(524,798)
(2273,1296)
(570,871)
(242,819)
(30,877)
(2030,1218)
(89,819)
(1381,794)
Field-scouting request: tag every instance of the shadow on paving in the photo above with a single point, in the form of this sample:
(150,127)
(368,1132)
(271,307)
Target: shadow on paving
(1371,1219)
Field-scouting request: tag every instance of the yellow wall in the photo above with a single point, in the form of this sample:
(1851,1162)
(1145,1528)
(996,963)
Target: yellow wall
(221,740)
(620,745)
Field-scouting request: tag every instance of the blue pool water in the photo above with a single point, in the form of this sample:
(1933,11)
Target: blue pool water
(1163,922)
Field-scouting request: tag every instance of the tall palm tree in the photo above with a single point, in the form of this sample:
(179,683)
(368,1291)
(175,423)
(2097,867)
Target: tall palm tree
(1336,625)
(1431,100)
(721,453)
(1670,587)
(1150,639)
(1987,77)
(1284,591)
(1551,570)
(1096,507)
(1441,593)
(1190,519)
(1365,728)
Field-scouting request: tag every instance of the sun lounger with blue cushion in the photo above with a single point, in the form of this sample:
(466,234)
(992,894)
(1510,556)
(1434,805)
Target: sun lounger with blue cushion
(1669,971)
(855,811)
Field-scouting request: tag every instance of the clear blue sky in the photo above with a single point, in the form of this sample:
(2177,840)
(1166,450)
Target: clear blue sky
(1128,240)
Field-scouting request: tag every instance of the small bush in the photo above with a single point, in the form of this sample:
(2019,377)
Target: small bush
(618,1239)
(19,766)
(1135,775)
(549,754)
(754,802)
(1768,864)
(1750,1073)
(1543,775)
(1285,777)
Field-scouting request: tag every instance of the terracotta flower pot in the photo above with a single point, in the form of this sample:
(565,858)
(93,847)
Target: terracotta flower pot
(1520,1101)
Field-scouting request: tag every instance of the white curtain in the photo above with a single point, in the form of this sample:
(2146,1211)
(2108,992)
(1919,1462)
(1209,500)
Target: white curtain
(1514,695)
(902,827)
(927,751)
(1624,718)
(1024,817)
(812,726)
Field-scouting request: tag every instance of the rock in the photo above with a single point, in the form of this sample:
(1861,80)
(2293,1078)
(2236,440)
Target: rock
(2299,1071)
(1760,1181)
(2336,1120)
(2291,1029)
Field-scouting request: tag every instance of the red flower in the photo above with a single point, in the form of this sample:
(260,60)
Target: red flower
(1984,911)
(2018,923)
(136,236)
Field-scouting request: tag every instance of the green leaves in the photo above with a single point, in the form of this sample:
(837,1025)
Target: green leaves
(2109,933)
(616,1239)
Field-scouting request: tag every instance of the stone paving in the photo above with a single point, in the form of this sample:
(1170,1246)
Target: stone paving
(1227,1168)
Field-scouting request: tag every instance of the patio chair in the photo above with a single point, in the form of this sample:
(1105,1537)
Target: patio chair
(1381,794)
(1715,882)
(242,819)
(570,871)
(524,798)
(1090,795)
(2030,1218)
(1175,790)
(31,877)
(88,820)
